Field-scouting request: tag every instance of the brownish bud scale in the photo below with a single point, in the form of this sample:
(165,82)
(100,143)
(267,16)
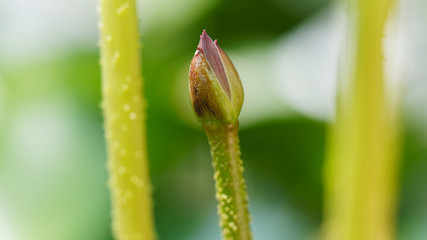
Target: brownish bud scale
(216,91)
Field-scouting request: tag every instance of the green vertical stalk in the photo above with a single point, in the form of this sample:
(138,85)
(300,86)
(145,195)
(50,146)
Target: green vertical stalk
(124,113)
(361,168)
(229,182)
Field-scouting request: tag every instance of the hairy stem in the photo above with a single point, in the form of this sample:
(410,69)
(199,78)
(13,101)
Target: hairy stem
(124,113)
(229,182)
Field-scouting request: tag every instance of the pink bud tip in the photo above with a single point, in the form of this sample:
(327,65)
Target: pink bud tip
(211,52)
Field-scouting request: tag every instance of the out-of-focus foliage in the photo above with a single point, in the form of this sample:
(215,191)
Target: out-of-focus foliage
(52,153)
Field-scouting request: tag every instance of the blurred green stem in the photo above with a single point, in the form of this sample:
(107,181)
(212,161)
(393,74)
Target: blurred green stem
(361,168)
(124,113)
(229,182)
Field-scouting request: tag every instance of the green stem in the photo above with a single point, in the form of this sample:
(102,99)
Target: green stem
(229,182)
(124,113)
(361,169)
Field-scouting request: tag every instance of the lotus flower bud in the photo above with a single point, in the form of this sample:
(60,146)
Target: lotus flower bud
(216,91)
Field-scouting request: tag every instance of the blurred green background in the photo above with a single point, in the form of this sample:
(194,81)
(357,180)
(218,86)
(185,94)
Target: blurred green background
(52,152)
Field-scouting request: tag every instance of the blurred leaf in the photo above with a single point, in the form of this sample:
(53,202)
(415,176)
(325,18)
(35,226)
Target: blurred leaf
(289,153)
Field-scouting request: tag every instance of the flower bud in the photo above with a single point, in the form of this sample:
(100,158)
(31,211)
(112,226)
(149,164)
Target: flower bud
(216,91)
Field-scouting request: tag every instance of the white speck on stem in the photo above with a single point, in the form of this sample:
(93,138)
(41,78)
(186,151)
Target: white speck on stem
(122,8)
(132,116)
